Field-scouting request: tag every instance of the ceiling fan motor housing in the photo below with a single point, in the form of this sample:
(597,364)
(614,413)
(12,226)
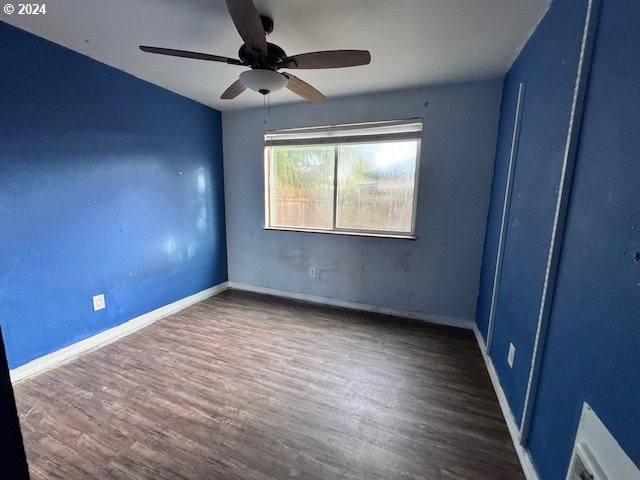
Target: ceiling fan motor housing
(254,59)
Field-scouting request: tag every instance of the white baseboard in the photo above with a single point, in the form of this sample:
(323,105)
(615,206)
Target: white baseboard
(523,454)
(101,339)
(437,319)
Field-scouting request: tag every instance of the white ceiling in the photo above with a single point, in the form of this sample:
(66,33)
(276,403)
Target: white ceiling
(412,42)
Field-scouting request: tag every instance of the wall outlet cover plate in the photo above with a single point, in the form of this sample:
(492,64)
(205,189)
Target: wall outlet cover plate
(98,302)
(512,354)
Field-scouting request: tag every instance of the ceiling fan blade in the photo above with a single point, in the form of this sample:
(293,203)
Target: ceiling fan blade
(302,88)
(234,90)
(186,54)
(248,23)
(327,59)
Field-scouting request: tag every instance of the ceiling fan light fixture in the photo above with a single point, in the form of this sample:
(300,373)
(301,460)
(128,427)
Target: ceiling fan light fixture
(263,81)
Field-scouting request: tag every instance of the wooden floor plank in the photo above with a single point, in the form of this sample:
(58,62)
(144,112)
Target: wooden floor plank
(250,387)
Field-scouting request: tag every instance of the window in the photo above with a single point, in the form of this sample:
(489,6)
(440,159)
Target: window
(355,179)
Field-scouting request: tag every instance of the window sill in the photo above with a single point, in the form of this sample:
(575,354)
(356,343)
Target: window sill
(347,233)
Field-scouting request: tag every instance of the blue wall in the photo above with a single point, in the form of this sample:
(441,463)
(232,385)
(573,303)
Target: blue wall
(591,353)
(594,331)
(108,185)
(547,66)
(435,275)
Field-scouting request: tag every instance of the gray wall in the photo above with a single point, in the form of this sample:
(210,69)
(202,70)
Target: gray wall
(436,274)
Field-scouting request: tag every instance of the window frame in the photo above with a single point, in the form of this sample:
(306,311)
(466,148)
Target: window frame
(336,142)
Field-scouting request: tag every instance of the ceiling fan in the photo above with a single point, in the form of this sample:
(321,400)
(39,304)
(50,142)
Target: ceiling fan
(265,59)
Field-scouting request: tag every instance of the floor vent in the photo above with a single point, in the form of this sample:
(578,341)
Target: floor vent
(584,466)
(596,453)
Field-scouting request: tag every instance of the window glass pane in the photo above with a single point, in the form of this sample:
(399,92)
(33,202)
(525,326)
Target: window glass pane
(376,186)
(301,193)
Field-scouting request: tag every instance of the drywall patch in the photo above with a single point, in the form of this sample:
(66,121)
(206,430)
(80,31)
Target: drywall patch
(403,262)
(294,257)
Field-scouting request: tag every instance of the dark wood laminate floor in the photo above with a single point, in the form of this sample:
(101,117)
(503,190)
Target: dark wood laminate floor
(250,387)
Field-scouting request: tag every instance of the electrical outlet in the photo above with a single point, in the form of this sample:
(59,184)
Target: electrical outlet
(98,302)
(312,272)
(512,354)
